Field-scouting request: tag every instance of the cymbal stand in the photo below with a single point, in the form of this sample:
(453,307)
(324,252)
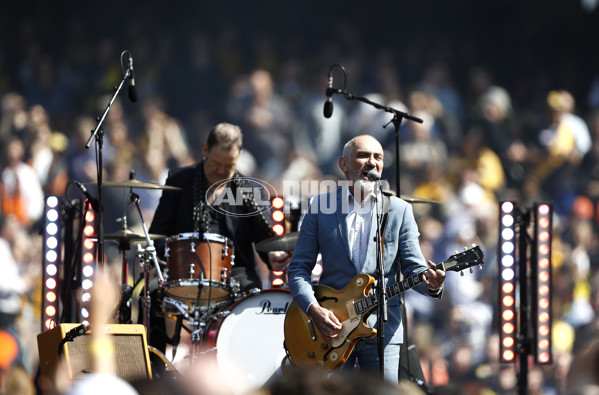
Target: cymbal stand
(149,254)
(145,262)
(150,243)
(126,290)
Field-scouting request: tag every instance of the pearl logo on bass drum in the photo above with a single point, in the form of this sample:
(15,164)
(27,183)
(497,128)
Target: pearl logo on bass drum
(272,308)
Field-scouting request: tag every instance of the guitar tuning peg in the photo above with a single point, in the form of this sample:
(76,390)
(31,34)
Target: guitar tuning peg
(465,248)
(462,274)
(471,271)
(455,251)
(473,245)
(480,267)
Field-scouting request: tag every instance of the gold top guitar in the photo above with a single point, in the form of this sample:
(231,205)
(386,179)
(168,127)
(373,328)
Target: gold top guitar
(352,305)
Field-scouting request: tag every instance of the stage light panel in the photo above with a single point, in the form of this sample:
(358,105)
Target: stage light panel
(52,246)
(507,281)
(541,282)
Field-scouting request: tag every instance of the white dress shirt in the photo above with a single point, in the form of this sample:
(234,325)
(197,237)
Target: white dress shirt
(359,220)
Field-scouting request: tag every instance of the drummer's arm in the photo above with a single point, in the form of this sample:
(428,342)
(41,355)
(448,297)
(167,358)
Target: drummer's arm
(278,260)
(259,233)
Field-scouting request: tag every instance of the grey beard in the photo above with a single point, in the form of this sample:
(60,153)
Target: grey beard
(364,185)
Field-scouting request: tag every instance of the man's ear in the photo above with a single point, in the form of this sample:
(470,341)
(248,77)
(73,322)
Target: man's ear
(343,165)
(205,150)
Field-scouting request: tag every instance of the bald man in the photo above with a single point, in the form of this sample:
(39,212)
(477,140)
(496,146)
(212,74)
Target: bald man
(341,226)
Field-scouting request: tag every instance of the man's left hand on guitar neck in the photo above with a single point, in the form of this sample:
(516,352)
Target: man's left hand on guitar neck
(433,279)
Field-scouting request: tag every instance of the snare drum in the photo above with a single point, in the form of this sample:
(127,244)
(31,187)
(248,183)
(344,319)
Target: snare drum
(247,337)
(197,263)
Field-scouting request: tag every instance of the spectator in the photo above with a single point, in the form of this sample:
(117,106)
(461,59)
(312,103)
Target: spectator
(20,188)
(163,132)
(12,286)
(266,120)
(564,142)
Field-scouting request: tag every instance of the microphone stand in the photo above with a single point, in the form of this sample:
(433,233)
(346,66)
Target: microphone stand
(380,287)
(397,114)
(382,307)
(98,135)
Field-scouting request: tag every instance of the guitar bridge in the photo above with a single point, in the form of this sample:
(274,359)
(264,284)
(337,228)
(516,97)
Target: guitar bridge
(351,310)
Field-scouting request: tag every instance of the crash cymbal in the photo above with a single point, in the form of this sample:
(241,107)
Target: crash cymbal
(278,243)
(128,235)
(413,199)
(134,184)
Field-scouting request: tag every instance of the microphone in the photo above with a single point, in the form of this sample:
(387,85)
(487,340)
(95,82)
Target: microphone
(132,89)
(93,201)
(373,175)
(328,105)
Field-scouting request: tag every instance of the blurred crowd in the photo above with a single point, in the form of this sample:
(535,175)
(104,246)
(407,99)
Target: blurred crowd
(483,139)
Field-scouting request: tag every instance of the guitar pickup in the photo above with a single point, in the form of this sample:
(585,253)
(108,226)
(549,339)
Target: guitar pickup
(351,310)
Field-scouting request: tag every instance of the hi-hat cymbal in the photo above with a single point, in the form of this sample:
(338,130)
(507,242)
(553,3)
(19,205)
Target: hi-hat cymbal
(134,184)
(414,199)
(278,243)
(128,235)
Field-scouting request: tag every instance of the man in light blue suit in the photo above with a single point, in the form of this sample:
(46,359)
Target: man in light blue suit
(341,226)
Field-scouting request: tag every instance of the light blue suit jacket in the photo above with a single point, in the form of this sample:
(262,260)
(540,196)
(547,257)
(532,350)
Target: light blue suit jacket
(324,230)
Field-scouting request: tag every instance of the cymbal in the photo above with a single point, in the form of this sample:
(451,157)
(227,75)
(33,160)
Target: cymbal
(414,199)
(134,184)
(128,235)
(278,243)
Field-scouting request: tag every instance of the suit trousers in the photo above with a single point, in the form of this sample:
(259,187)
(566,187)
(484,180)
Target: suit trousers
(365,358)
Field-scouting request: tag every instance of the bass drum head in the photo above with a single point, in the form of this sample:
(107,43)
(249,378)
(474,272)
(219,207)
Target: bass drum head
(249,340)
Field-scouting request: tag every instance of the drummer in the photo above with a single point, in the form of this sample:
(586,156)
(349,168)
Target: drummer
(199,206)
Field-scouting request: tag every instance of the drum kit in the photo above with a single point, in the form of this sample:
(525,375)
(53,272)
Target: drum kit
(242,331)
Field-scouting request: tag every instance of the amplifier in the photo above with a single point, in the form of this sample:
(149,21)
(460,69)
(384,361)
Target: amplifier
(132,360)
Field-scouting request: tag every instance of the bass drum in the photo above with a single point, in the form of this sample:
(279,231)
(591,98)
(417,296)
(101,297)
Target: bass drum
(247,338)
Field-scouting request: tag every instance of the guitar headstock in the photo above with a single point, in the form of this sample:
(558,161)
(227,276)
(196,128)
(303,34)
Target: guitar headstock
(464,260)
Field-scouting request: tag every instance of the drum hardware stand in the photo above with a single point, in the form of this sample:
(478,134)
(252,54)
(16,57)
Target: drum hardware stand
(196,334)
(200,279)
(235,287)
(147,254)
(196,321)
(150,243)
(124,311)
(144,262)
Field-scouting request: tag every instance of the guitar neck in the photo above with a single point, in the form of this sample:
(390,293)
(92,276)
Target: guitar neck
(370,301)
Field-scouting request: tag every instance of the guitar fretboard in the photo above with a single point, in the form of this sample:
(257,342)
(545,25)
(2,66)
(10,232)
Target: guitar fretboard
(457,262)
(371,301)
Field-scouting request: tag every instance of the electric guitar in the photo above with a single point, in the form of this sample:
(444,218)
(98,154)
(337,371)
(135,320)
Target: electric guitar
(352,305)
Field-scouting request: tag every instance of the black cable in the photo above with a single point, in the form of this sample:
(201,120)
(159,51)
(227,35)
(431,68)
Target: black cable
(71,335)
